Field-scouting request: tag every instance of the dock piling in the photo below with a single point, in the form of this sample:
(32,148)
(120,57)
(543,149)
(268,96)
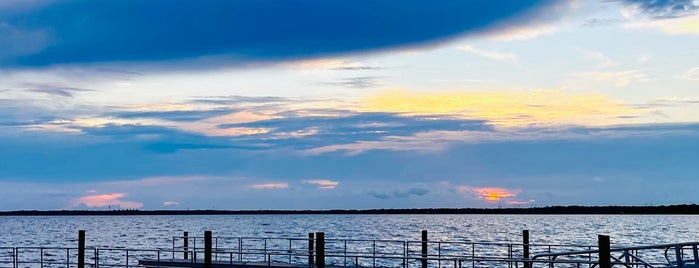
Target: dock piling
(311,237)
(185,246)
(320,249)
(525,248)
(424,249)
(605,256)
(81,248)
(207,249)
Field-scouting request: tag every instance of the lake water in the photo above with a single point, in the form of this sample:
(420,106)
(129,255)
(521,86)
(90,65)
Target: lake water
(157,231)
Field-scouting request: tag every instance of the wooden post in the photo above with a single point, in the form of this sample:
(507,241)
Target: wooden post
(525,247)
(320,250)
(185,247)
(424,248)
(81,248)
(207,249)
(605,256)
(310,249)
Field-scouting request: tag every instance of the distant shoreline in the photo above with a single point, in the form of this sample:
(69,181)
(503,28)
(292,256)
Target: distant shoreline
(692,209)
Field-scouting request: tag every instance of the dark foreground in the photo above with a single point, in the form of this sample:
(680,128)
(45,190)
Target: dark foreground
(687,209)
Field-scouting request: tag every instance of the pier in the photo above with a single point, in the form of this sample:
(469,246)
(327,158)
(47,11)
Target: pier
(319,251)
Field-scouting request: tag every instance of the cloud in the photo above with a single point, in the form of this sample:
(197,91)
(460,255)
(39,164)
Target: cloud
(506,109)
(664,9)
(84,31)
(681,25)
(417,191)
(523,32)
(170,203)
(323,184)
(323,64)
(617,78)
(399,193)
(506,57)
(106,200)
(357,82)
(597,22)
(438,140)
(270,186)
(520,202)
(174,115)
(692,74)
(599,57)
(674,101)
(54,90)
(489,193)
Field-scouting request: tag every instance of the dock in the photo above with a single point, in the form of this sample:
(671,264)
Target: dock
(317,251)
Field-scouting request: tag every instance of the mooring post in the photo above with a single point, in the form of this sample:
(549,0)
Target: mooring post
(525,248)
(310,249)
(81,248)
(185,246)
(605,256)
(424,248)
(207,249)
(320,250)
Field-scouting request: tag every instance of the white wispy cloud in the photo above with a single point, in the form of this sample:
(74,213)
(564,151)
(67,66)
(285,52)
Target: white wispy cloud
(435,141)
(323,184)
(170,203)
(270,185)
(599,57)
(617,78)
(494,55)
(525,32)
(691,74)
(673,26)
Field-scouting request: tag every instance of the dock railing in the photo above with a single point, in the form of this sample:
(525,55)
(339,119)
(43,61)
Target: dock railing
(683,255)
(190,251)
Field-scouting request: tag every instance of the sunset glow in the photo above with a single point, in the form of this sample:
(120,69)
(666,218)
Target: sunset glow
(347,104)
(507,109)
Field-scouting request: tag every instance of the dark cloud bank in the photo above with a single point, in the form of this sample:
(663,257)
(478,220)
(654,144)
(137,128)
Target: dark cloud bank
(42,33)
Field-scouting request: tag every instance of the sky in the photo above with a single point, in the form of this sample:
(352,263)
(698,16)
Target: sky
(347,104)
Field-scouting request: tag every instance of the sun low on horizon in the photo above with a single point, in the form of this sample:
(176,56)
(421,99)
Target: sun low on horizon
(349,104)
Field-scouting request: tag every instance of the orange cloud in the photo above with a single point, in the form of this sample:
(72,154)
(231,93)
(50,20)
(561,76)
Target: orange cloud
(103,200)
(273,185)
(488,193)
(323,184)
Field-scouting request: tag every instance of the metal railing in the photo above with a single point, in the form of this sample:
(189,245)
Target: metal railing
(267,251)
(651,256)
(373,253)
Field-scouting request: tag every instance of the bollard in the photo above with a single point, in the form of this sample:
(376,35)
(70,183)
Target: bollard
(185,247)
(525,248)
(424,249)
(320,250)
(310,249)
(605,256)
(207,249)
(81,248)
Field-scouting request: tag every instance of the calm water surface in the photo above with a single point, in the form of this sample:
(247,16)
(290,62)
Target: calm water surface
(157,231)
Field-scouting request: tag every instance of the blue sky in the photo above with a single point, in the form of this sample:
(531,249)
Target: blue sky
(347,104)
